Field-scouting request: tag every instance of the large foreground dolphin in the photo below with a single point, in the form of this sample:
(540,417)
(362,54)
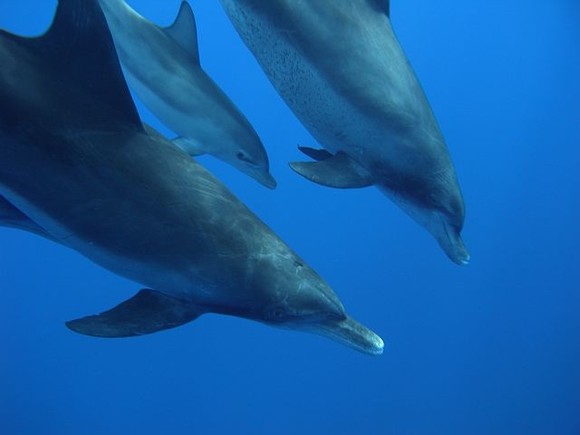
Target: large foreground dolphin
(162,66)
(76,162)
(11,217)
(340,68)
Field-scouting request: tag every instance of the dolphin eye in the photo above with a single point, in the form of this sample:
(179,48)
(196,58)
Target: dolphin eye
(243,157)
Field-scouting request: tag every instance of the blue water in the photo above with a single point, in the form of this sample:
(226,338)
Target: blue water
(490,348)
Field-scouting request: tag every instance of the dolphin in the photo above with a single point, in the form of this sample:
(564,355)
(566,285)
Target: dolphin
(76,161)
(11,217)
(162,66)
(341,70)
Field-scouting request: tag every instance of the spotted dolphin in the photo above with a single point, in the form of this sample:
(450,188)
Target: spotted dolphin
(163,68)
(340,68)
(76,161)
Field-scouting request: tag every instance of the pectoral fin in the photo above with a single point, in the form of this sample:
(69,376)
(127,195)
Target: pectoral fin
(146,312)
(189,146)
(337,170)
(316,153)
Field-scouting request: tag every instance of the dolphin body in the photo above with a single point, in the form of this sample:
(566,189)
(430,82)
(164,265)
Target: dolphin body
(340,68)
(162,66)
(11,217)
(77,164)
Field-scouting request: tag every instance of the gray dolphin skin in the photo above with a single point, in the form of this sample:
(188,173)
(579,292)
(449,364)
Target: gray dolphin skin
(162,66)
(78,164)
(11,217)
(341,70)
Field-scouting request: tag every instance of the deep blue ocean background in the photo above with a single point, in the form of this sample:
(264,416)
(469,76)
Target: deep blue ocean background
(490,348)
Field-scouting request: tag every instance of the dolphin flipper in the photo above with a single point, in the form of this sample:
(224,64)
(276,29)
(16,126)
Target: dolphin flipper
(316,153)
(338,170)
(146,312)
(190,146)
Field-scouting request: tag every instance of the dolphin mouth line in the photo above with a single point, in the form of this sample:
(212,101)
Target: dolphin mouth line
(462,257)
(344,330)
(352,334)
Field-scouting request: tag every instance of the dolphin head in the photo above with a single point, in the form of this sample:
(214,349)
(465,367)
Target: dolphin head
(255,164)
(442,213)
(289,294)
(247,154)
(444,220)
(313,307)
(447,232)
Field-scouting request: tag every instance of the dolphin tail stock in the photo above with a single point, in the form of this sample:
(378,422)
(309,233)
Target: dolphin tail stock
(332,170)
(145,313)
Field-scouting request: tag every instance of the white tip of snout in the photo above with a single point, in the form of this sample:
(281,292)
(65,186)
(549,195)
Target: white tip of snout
(455,250)
(379,346)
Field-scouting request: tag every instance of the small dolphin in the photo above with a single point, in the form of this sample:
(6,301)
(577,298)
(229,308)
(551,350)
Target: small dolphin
(340,68)
(162,66)
(77,162)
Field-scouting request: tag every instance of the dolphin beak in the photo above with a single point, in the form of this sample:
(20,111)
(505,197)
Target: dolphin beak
(453,245)
(351,333)
(265,179)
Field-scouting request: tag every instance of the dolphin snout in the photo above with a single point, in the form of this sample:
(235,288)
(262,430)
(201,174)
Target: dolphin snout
(352,334)
(454,247)
(265,179)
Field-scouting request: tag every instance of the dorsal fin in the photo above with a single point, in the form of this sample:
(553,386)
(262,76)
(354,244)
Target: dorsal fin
(79,46)
(184,30)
